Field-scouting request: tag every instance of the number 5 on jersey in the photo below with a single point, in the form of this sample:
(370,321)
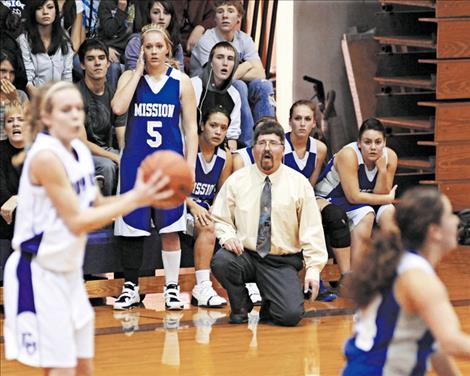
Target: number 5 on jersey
(152,129)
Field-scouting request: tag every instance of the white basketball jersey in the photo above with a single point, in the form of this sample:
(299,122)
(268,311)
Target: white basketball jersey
(39,230)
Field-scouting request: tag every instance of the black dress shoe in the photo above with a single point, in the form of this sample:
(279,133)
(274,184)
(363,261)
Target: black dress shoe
(238,318)
(264,314)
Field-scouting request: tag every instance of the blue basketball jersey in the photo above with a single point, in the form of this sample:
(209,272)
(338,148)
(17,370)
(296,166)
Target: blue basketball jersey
(247,155)
(307,164)
(207,177)
(387,340)
(329,184)
(153,123)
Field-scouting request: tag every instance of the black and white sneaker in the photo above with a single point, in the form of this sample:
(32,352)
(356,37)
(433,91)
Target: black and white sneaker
(129,297)
(173,301)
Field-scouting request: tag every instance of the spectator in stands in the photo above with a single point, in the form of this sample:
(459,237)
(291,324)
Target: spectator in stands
(213,87)
(8,91)
(90,17)
(268,223)
(45,47)
(71,12)
(213,167)
(160,12)
(113,30)
(250,78)
(359,179)
(16,6)
(99,117)
(9,174)
(194,18)
(12,27)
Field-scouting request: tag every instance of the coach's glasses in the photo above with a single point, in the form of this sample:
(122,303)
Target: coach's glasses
(271,143)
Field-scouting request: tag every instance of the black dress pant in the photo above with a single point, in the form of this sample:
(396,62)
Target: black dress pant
(277,279)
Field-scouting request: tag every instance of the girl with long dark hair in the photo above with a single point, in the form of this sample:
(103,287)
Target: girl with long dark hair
(404,314)
(160,12)
(45,47)
(359,179)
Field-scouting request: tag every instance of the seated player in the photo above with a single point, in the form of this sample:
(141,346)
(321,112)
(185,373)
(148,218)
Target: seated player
(213,166)
(305,154)
(359,179)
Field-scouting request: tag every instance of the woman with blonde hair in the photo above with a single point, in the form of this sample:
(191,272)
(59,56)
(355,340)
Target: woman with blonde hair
(161,107)
(49,322)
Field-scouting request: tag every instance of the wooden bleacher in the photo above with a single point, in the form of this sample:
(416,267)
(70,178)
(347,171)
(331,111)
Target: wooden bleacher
(426,54)
(102,257)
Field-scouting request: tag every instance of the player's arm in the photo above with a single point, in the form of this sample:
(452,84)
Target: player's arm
(188,108)
(443,365)
(346,165)
(126,87)
(424,294)
(386,172)
(237,161)
(59,190)
(321,155)
(226,171)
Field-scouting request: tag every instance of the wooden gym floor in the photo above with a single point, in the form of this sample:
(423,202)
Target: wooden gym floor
(149,341)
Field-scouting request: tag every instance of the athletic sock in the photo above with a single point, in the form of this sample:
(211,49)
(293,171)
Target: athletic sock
(202,276)
(171,264)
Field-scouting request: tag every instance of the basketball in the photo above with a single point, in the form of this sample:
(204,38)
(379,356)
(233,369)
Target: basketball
(175,167)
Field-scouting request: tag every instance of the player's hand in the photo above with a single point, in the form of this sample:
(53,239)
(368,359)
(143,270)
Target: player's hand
(313,285)
(7,209)
(381,164)
(140,65)
(201,215)
(234,245)
(392,193)
(153,190)
(8,90)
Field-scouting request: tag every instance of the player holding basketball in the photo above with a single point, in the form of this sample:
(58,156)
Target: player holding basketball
(405,316)
(213,167)
(49,322)
(161,108)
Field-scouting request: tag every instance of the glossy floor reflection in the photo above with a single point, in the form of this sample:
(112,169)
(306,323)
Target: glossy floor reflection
(197,341)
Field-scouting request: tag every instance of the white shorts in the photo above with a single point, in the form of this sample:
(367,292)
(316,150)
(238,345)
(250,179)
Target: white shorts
(356,215)
(49,321)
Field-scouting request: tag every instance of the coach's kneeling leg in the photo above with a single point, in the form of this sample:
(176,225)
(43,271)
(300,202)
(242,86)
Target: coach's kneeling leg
(283,300)
(232,272)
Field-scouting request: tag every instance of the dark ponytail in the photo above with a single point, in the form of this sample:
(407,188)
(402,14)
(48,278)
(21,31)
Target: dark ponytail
(419,208)
(377,270)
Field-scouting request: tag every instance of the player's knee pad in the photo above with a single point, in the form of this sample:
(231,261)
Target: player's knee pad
(335,224)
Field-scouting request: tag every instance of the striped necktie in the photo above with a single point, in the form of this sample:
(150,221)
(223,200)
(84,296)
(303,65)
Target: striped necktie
(263,242)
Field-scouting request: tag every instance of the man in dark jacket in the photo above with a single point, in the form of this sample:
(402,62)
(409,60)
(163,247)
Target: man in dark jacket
(213,87)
